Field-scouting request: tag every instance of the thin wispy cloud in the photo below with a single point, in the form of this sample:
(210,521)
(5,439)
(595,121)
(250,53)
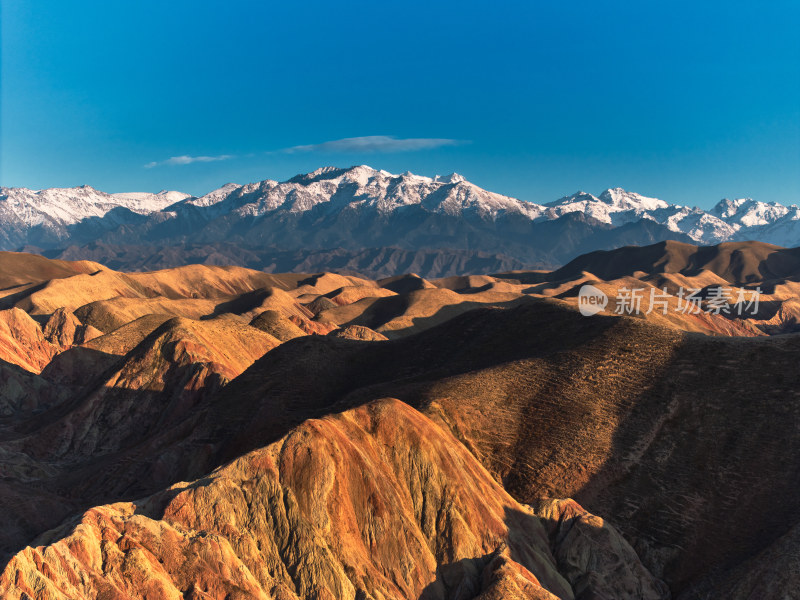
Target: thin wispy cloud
(375,144)
(186,160)
(368,144)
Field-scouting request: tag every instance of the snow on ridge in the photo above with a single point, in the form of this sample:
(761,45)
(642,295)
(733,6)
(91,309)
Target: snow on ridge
(146,202)
(56,207)
(215,196)
(617,206)
(363,188)
(631,200)
(746,212)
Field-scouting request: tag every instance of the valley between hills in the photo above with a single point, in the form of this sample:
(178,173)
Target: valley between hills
(219,432)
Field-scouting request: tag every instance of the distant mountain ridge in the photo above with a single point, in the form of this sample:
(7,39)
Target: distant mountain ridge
(359,208)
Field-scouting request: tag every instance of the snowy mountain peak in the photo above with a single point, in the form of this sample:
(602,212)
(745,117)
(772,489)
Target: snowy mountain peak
(358,173)
(409,176)
(579,196)
(452,178)
(361,174)
(625,200)
(727,207)
(318,175)
(746,212)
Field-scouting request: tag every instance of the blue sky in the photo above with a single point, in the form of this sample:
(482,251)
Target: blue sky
(687,101)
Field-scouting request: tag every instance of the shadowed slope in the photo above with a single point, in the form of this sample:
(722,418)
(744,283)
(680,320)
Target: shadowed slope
(593,556)
(773,573)
(369,262)
(626,417)
(125,401)
(23,393)
(354,293)
(414,311)
(736,262)
(179,363)
(403,284)
(124,339)
(110,314)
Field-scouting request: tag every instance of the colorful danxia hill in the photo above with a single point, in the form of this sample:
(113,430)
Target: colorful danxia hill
(218,432)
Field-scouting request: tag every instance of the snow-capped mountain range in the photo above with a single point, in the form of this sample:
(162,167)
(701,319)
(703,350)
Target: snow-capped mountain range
(728,220)
(361,207)
(72,205)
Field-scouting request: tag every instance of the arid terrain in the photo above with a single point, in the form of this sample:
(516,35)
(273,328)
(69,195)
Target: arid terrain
(219,432)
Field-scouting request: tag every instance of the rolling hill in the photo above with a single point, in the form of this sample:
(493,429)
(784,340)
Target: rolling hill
(220,432)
